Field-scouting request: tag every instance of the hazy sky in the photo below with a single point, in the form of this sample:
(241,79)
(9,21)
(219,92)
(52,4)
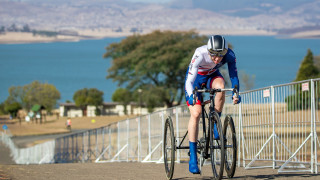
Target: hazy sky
(151,1)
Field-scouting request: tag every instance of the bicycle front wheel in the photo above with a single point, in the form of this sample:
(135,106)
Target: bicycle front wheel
(216,147)
(229,133)
(169,147)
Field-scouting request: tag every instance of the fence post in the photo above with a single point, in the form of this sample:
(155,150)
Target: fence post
(312,126)
(139,137)
(239,134)
(118,135)
(149,133)
(102,132)
(273,130)
(109,132)
(83,148)
(128,123)
(315,131)
(162,130)
(97,148)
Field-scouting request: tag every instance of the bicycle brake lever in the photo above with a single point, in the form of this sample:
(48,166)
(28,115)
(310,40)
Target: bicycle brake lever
(235,90)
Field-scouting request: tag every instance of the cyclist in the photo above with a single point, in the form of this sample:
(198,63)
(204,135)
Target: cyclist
(204,69)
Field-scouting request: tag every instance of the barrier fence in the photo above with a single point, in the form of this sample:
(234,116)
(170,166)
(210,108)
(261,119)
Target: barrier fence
(276,126)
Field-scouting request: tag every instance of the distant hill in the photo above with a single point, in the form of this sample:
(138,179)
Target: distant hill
(285,16)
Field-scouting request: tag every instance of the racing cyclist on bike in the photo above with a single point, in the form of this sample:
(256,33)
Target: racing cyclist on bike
(204,69)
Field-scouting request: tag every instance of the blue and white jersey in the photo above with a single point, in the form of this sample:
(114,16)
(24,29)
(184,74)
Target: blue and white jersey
(201,64)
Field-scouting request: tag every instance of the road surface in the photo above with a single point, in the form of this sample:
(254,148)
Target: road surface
(130,170)
(122,170)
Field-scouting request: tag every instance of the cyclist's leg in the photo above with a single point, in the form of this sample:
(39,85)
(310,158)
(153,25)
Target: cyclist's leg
(195,112)
(217,81)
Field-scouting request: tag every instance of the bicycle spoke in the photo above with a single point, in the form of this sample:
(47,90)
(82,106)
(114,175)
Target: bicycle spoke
(216,148)
(230,147)
(169,148)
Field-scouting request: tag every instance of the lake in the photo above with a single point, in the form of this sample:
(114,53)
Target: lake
(71,66)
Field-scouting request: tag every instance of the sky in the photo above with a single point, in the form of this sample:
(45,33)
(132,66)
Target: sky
(150,1)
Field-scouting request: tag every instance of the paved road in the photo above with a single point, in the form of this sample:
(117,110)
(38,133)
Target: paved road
(133,170)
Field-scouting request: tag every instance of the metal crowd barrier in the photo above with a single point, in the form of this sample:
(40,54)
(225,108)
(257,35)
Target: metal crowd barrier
(276,127)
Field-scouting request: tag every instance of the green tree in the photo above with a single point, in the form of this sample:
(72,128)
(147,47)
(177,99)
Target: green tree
(123,96)
(158,60)
(307,68)
(12,108)
(40,93)
(35,93)
(2,111)
(85,97)
(26,28)
(149,96)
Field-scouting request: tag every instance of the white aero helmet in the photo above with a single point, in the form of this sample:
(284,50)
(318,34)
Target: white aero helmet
(217,46)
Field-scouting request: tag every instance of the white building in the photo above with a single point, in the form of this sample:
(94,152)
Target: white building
(113,108)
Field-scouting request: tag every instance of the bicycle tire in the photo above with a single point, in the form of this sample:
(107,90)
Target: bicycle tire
(216,147)
(169,148)
(229,133)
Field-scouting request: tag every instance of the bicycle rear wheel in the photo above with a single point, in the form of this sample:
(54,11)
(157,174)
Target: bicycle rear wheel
(216,147)
(230,146)
(169,147)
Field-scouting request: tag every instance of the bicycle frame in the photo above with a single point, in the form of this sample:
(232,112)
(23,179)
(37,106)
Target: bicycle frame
(204,114)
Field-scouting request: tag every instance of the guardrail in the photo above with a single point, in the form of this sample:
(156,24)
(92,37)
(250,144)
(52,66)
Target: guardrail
(276,127)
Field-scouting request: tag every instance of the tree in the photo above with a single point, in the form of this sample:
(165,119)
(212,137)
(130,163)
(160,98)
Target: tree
(2,30)
(26,28)
(40,93)
(247,81)
(13,28)
(85,97)
(12,108)
(35,93)
(158,60)
(150,96)
(307,68)
(123,96)
(2,110)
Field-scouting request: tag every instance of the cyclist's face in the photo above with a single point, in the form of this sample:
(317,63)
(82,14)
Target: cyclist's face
(216,59)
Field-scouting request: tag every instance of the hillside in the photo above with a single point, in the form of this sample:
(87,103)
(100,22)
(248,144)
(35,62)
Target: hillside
(244,15)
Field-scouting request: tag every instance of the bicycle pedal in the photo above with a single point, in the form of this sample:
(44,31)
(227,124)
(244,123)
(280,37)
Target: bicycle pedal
(202,140)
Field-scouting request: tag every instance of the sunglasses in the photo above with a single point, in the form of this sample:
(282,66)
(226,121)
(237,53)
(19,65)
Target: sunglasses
(219,54)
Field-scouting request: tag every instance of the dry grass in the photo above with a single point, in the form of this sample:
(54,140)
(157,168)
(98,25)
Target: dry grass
(52,125)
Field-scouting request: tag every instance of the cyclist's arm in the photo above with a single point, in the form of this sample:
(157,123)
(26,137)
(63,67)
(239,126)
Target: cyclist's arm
(192,72)
(233,73)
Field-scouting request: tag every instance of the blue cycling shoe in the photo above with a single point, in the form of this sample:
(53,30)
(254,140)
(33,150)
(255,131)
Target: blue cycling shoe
(193,163)
(215,132)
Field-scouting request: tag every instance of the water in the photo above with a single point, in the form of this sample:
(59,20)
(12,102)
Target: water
(71,66)
(272,60)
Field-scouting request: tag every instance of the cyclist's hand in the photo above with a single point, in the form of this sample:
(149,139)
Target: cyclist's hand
(192,100)
(235,99)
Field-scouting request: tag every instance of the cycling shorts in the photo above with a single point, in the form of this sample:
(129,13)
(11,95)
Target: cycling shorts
(203,79)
